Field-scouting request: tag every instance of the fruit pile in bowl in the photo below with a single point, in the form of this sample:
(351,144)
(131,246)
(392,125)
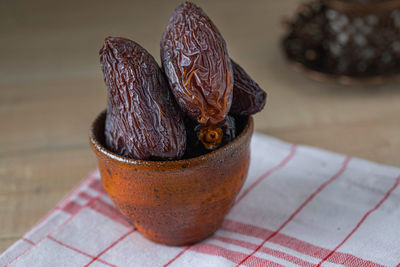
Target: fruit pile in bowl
(173,145)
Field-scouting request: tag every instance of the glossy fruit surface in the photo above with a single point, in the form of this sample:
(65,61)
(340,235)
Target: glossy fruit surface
(248,97)
(196,62)
(143,120)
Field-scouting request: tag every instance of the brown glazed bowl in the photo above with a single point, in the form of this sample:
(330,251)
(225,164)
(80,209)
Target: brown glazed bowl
(175,202)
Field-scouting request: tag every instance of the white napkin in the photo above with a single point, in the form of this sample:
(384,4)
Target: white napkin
(299,206)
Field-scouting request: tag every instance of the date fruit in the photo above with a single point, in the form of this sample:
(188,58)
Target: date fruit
(248,97)
(196,62)
(203,139)
(143,120)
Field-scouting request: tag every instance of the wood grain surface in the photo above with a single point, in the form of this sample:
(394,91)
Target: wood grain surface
(51,88)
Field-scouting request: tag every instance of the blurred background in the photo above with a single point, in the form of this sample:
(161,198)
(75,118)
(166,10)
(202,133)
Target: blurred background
(51,88)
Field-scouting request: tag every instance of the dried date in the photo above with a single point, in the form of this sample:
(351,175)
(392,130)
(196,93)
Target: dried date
(143,120)
(196,62)
(248,97)
(203,139)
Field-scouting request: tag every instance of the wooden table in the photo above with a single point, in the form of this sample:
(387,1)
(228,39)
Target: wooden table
(51,88)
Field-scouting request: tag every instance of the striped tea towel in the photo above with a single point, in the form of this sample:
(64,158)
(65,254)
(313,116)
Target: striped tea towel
(299,206)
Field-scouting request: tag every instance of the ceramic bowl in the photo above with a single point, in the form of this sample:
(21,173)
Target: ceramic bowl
(175,202)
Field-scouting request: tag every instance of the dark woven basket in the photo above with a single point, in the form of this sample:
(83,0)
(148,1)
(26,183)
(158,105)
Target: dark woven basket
(348,40)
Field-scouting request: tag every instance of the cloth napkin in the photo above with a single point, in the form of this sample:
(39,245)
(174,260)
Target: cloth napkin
(299,206)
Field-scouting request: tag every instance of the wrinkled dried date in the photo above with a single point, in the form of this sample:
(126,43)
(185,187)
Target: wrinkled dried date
(196,62)
(203,139)
(248,97)
(143,120)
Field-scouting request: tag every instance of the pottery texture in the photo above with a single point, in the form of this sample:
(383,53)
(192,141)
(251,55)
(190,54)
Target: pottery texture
(175,202)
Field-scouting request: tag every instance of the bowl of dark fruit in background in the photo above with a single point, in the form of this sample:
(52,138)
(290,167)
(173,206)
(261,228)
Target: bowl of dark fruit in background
(173,145)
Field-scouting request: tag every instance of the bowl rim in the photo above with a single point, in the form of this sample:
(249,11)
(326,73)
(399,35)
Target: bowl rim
(247,132)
